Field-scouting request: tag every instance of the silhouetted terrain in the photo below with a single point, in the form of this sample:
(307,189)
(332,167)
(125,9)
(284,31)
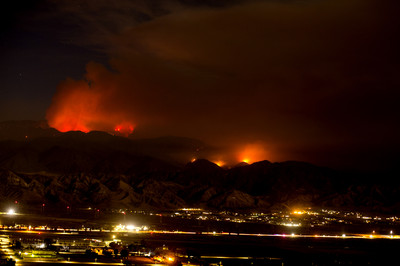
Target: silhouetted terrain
(99,169)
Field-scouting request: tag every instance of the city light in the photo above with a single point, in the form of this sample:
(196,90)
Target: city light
(11,212)
(130,227)
(292,224)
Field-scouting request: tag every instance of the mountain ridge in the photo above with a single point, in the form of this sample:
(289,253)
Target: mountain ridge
(99,169)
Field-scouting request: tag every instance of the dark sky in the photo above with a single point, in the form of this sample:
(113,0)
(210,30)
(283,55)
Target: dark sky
(312,80)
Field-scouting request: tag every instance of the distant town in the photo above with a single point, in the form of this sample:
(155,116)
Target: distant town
(123,236)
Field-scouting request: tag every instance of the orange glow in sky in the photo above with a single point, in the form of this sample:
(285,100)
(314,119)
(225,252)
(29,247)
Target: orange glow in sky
(80,107)
(76,110)
(251,153)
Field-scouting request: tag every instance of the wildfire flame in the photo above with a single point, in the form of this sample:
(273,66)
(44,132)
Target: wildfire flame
(74,108)
(252,153)
(124,128)
(87,105)
(219,163)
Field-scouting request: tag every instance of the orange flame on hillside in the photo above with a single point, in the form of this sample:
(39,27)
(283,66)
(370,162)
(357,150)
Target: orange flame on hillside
(253,153)
(74,108)
(124,129)
(219,163)
(86,106)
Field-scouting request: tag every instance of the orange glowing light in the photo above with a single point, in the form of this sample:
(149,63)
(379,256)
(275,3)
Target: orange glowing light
(75,109)
(219,163)
(89,104)
(124,129)
(193,160)
(252,153)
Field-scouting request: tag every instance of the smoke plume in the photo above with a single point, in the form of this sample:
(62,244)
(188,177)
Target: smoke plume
(298,76)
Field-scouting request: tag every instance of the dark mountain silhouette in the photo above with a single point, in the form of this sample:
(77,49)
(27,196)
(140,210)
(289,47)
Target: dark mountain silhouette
(25,129)
(99,169)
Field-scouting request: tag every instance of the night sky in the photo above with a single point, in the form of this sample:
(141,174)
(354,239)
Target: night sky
(311,80)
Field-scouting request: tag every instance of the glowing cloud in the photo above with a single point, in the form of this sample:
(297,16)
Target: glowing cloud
(87,105)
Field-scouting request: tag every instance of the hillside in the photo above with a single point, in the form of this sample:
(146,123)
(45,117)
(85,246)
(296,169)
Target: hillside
(99,169)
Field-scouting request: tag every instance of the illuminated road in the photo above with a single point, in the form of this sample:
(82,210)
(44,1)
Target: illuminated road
(5,248)
(349,236)
(55,262)
(9,253)
(236,258)
(5,242)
